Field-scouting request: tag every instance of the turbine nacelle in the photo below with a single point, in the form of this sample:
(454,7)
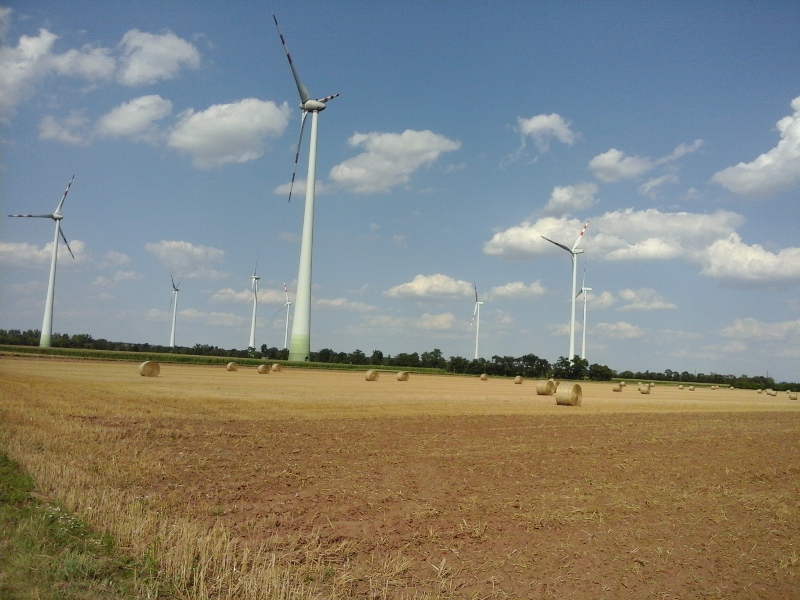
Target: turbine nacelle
(316,105)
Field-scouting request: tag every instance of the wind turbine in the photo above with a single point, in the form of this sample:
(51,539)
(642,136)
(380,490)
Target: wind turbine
(254,285)
(47,322)
(300,348)
(476,318)
(288,307)
(573,252)
(174,305)
(585,291)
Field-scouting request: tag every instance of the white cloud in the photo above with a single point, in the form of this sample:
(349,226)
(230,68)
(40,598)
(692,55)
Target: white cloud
(517,289)
(213,319)
(187,260)
(443,321)
(135,119)
(542,128)
(226,133)
(732,261)
(652,187)
(753,329)
(344,304)
(644,299)
(620,330)
(72,130)
(245,296)
(148,58)
(389,159)
(613,165)
(87,63)
(602,300)
(118,277)
(115,258)
(570,199)
(299,188)
(775,170)
(432,286)
(14,254)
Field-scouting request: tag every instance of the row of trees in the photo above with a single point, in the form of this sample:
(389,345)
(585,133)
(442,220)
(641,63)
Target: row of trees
(529,365)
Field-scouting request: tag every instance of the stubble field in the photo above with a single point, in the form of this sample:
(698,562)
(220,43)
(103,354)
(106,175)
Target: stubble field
(320,484)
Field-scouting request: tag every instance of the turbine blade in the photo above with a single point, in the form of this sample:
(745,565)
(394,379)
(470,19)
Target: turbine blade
(327,98)
(64,197)
(297,154)
(66,243)
(557,244)
(286,291)
(50,216)
(476,294)
(580,236)
(301,89)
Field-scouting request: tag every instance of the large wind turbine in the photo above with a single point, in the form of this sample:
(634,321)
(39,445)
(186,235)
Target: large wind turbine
(47,323)
(573,252)
(585,291)
(254,285)
(174,305)
(476,318)
(300,347)
(288,307)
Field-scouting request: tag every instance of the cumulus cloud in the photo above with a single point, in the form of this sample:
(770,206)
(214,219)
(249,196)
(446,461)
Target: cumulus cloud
(118,277)
(228,133)
(14,254)
(517,289)
(570,199)
(644,299)
(756,330)
(432,286)
(147,58)
(72,130)
(733,261)
(443,321)
(344,304)
(652,187)
(187,260)
(135,119)
(245,296)
(774,171)
(389,159)
(620,330)
(614,165)
(543,128)
(214,319)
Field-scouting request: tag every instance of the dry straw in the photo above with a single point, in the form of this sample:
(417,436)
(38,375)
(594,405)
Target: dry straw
(371,375)
(232,366)
(617,387)
(568,394)
(623,383)
(792,395)
(644,389)
(691,388)
(262,369)
(680,387)
(276,367)
(149,368)
(759,391)
(518,379)
(545,388)
(402,376)
(484,377)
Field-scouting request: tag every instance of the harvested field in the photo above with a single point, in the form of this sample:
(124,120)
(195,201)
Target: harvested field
(313,484)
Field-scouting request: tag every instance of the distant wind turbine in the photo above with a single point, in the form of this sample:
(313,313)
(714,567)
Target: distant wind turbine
(476,319)
(288,307)
(254,285)
(585,291)
(174,306)
(47,323)
(300,348)
(574,251)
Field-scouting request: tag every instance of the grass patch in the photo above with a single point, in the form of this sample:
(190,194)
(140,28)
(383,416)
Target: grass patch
(46,553)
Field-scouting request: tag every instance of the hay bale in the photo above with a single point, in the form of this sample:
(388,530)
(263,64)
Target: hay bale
(644,389)
(484,377)
(651,384)
(691,388)
(518,379)
(545,388)
(232,366)
(617,387)
(680,387)
(276,367)
(402,376)
(263,369)
(371,375)
(773,393)
(623,383)
(759,391)
(568,394)
(149,368)
(792,395)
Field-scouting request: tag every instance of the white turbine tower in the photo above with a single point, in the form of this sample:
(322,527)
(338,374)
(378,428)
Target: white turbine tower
(288,307)
(47,322)
(254,285)
(573,252)
(174,306)
(300,347)
(585,291)
(476,319)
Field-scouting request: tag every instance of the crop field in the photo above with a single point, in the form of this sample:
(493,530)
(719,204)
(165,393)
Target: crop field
(316,484)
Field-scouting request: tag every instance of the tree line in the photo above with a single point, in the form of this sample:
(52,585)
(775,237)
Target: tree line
(529,365)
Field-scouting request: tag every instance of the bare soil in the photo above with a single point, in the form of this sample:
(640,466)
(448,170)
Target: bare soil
(448,485)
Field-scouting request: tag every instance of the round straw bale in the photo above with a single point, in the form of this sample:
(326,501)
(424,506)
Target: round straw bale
(484,377)
(276,367)
(371,375)
(262,369)
(680,387)
(623,383)
(651,384)
(518,379)
(792,395)
(691,388)
(759,390)
(232,366)
(640,384)
(644,389)
(617,387)
(402,376)
(545,388)
(568,394)
(149,368)
(773,392)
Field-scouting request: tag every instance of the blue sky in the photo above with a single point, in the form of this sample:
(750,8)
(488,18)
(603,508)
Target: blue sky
(463,133)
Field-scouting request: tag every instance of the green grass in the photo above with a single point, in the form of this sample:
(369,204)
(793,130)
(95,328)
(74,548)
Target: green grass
(48,554)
